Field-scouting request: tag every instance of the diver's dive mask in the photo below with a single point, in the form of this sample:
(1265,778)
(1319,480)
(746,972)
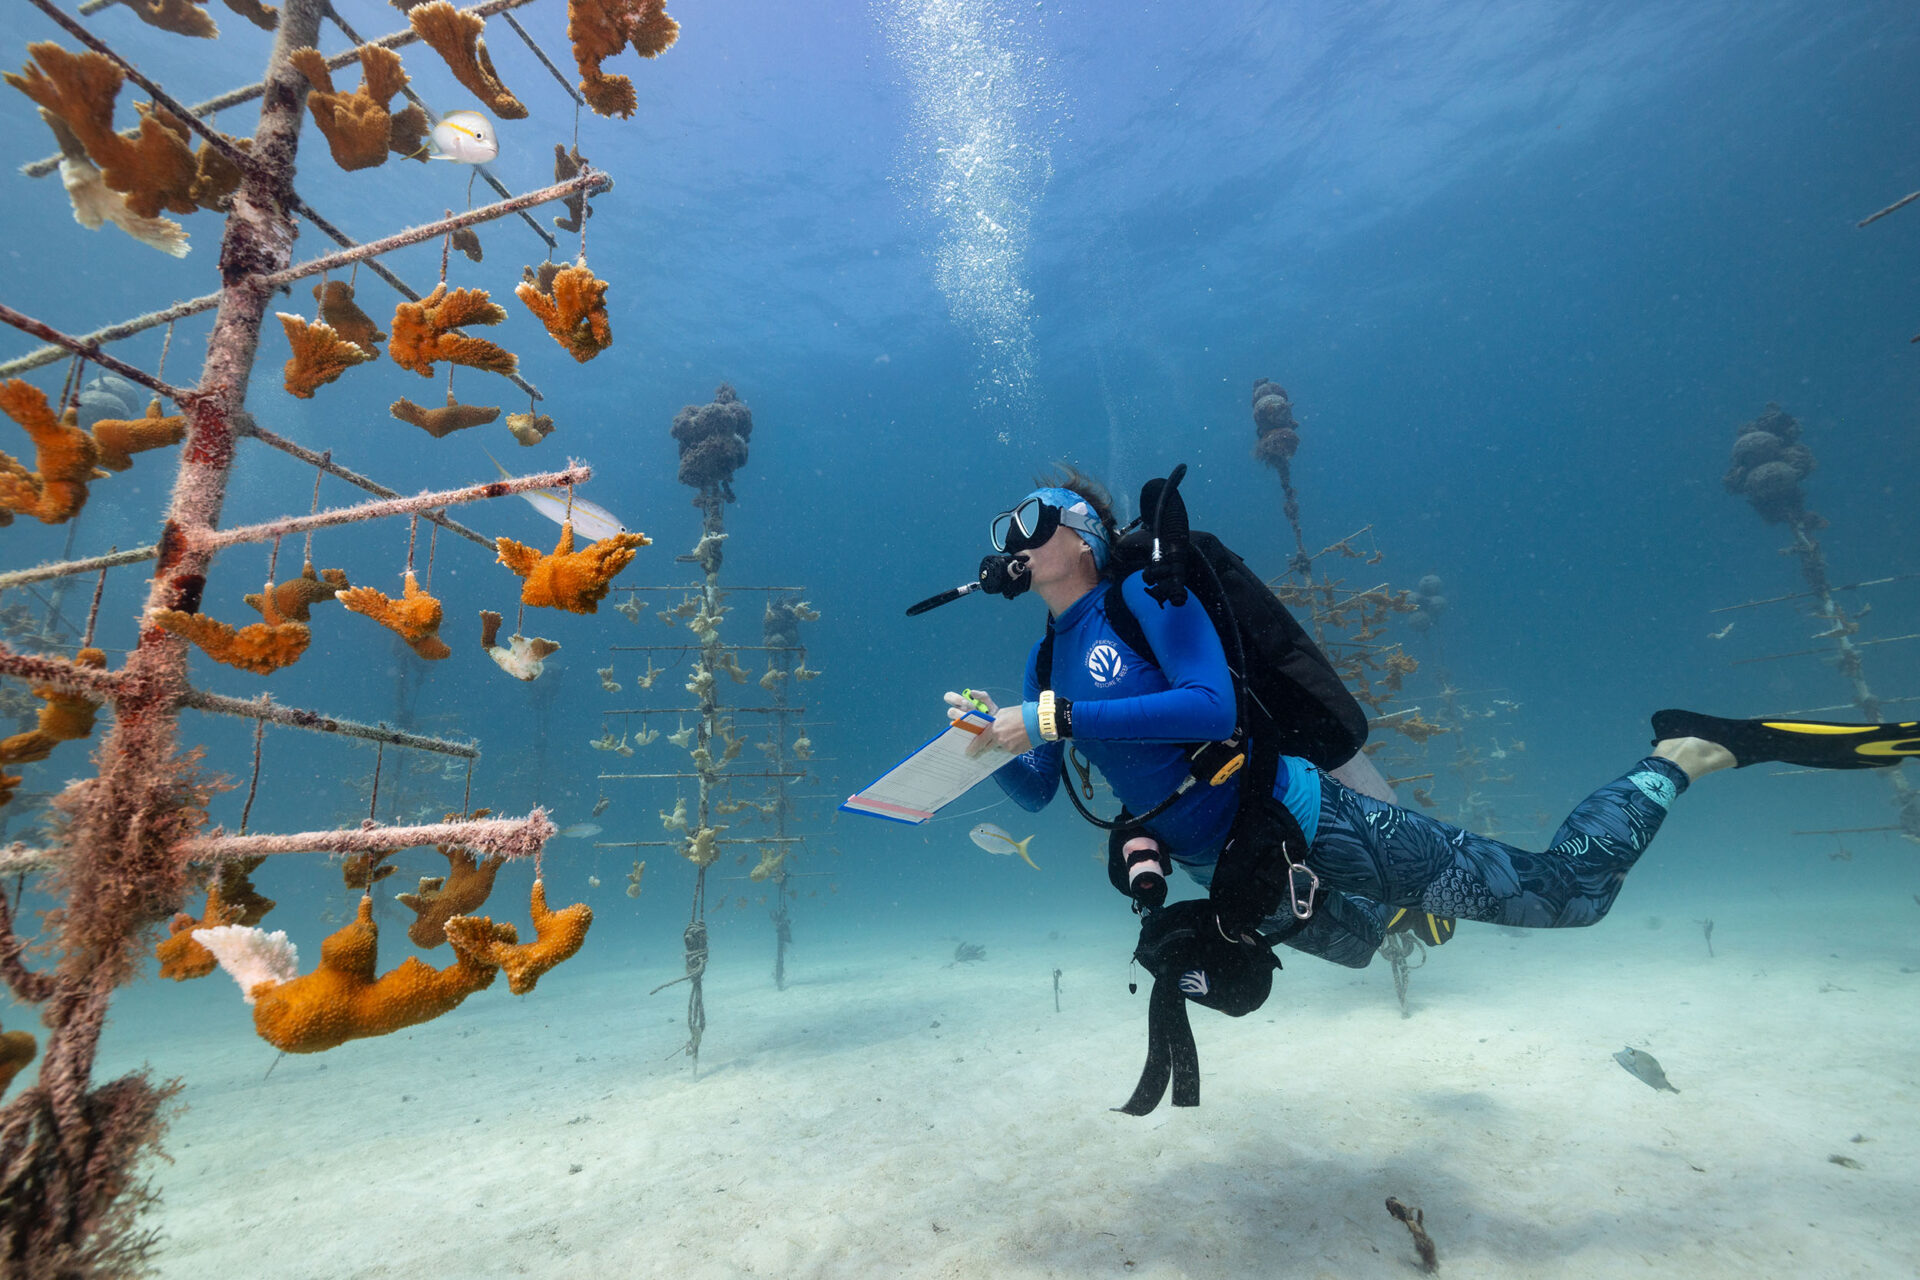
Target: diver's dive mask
(1039,514)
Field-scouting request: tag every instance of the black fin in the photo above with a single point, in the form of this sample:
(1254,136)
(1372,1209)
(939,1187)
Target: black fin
(1811,744)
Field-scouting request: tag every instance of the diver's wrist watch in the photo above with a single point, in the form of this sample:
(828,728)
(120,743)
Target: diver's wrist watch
(1055,716)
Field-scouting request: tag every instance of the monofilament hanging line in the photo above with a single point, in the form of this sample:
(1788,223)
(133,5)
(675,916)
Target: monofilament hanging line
(446,248)
(93,610)
(306,554)
(73,374)
(373,802)
(166,345)
(273,563)
(253,784)
(413,532)
(433,545)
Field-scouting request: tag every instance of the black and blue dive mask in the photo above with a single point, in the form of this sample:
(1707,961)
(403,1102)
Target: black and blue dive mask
(1027,526)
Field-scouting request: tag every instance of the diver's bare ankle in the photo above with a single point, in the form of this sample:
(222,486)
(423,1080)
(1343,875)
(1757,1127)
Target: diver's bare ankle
(1696,757)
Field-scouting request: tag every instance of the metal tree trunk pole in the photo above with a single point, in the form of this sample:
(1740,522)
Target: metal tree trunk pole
(782,634)
(67,1146)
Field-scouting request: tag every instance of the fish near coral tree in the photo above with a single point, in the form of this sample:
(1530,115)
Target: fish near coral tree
(64,458)
(415,617)
(455,36)
(294,599)
(356,125)
(67,717)
(572,303)
(343,1000)
(600,29)
(558,935)
(261,647)
(319,355)
(428,330)
(118,439)
(563,578)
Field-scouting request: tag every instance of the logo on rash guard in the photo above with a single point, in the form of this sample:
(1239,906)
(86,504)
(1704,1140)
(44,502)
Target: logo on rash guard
(1104,664)
(1194,982)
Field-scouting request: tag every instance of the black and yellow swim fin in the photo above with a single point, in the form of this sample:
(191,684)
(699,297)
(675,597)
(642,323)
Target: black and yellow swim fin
(1811,744)
(1424,925)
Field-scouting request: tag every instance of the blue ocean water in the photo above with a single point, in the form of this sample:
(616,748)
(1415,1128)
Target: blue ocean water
(1523,268)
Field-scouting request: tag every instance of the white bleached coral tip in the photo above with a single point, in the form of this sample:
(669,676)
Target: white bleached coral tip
(250,956)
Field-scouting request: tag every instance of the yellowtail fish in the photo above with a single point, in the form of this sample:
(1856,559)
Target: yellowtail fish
(590,520)
(997,840)
(579,830)
(465,137)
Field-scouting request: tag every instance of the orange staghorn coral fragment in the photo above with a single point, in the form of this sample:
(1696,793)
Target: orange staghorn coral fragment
(64,457)
(118,439)
(440,423)
(342,1000)
(261,647)
(237,891)
(67,717)
(263,16)
(563,578)
(357,125)
(181,956)
(415,617)
(155,169)
(572,303)
(558,936)
(462,891)
(294,599)
(600,29)
(319,355)
(425,331)
(16,1051)
(182,17)
(339,310)
(455,36)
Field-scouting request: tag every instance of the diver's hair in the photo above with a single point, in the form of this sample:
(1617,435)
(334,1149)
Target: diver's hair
(1067,476)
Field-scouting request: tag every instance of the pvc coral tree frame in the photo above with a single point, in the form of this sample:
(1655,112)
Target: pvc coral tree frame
(127,837)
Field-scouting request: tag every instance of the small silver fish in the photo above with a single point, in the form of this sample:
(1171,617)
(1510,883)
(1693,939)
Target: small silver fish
(1644,1067)
(998,840)
(590,520)
(580,830)
(465,137)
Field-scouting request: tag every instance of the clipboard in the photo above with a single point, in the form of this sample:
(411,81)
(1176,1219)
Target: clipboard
(937,774)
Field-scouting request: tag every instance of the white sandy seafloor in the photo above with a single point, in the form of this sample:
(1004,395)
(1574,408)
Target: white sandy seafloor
(890,1116)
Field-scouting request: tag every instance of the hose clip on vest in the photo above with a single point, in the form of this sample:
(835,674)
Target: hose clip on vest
(1302,905)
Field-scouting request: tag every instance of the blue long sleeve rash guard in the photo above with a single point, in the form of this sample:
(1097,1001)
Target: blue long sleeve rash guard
(1134,719)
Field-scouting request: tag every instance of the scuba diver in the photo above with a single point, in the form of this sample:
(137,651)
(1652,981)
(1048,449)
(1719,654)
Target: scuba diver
(1174,670)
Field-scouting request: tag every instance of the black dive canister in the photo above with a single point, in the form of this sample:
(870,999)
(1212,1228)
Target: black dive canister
(1146,872)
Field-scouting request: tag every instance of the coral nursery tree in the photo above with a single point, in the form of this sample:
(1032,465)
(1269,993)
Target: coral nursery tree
(125,846)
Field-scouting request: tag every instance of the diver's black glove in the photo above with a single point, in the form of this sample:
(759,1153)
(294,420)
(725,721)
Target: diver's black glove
(1166,578)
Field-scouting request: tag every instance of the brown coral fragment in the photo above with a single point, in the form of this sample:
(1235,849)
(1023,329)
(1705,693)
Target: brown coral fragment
(462,891)
(558,937)
(261,647)
(118,439)
(263,16)
(466,241)
(339,310)
(238,892)
(320,354)
(294,599)
(342,1000)
(567,165)
(16,1051)
(600,29)
(529,428)
(182,17)
(364,870)
(64,457)
(563,578)
(415,617)
(357,125)
(573,307)
(180,954)
(455,36)
(440,423)
(215,176)
(407,133)
(428,330)
(66,717)
(155,168)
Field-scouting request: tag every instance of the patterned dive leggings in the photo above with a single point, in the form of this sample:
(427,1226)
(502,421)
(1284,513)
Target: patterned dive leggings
(1405,859)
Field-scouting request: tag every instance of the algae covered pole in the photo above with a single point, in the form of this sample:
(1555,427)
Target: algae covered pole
(712,439)
(1768,466)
